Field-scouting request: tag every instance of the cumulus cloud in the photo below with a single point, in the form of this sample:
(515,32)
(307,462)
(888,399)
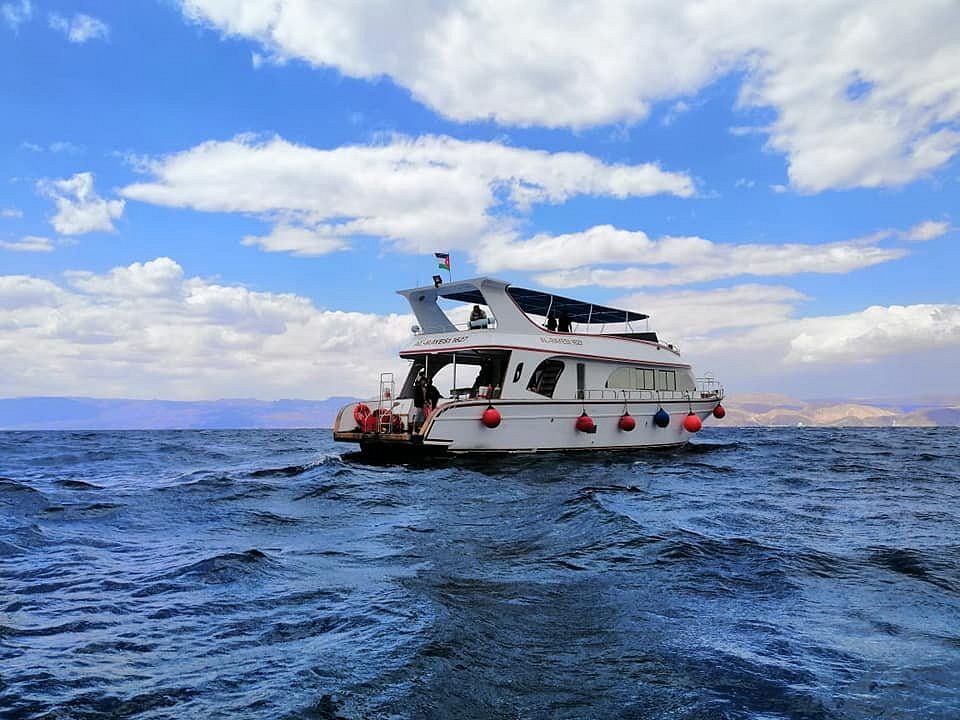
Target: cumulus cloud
(754,337)
(23,291)
(14,14)
(28,243)
(670,260)
(431,189)
(80,28)
(79,209)
(864,95)
(927,230)
(160,277)
(875,333)
(680,315)
(149,330)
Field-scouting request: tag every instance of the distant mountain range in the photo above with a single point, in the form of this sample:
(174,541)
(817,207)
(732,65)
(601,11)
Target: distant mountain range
(755,409)
(60,413)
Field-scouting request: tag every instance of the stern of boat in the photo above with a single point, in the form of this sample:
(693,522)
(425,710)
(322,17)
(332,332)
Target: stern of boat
(383,426)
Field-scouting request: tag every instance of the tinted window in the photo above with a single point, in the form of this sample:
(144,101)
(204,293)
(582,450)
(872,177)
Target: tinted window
(544,378)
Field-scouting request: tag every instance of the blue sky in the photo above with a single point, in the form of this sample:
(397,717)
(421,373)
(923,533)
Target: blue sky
(215,198)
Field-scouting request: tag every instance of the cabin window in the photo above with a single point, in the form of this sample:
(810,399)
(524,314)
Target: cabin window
(581,379)
(518,372)
(544,378)
(666,380)
(631,378)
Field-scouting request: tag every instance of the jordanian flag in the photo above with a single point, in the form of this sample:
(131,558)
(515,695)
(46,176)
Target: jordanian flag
(444,259)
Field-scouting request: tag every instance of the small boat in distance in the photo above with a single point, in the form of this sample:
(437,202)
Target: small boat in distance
(530,371)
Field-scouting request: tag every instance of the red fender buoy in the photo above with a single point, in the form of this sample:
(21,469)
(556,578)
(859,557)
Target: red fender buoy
(627,422)
(719,411)
(691,423)
(491,417)
(370,423)
(361,412)
(586,424)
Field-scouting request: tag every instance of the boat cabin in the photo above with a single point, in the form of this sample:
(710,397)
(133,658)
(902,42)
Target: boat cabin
(484,339)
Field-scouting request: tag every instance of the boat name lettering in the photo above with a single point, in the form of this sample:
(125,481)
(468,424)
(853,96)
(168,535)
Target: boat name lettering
(443,340)
(561,341)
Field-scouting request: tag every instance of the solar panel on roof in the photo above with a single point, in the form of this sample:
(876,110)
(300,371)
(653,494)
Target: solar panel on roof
(537,302)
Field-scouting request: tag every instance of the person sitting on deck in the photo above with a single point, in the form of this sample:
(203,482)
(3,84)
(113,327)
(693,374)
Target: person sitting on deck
(551,321)
(482,381)
(478,318)
(563,322)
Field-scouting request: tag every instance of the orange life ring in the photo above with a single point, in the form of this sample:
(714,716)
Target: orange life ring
(360,413)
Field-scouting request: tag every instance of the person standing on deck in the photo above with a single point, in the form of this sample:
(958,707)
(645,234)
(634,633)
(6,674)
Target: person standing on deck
(419,397)
(432,400)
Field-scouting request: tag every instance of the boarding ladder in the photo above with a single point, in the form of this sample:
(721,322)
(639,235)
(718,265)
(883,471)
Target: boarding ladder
(385,400)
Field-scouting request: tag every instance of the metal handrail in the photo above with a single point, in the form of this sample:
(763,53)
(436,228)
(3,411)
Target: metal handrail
(647,395)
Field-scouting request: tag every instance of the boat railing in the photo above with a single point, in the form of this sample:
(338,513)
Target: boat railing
(639,395)
(487,323)
(709,386)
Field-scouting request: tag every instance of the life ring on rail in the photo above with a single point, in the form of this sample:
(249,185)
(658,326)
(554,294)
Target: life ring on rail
(360,413)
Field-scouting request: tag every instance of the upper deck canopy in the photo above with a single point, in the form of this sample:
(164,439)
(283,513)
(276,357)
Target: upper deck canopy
(511,306)
(536,302)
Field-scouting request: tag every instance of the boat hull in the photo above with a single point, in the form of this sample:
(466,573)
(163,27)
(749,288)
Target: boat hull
(533,426)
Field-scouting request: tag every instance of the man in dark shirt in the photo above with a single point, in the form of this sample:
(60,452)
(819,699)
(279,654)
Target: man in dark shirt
(419,396)
(433,395)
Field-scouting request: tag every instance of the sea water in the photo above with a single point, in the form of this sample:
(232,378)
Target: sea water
(757,573)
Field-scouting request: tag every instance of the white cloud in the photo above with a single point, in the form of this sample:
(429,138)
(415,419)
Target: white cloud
(22,291)
(434,190)
(79,209)
(681,314)
(11,213)
(80,28)
(297,240)
(59,146)
(875,332)
(28,243)
(864,94)
(669,260)
(160,277)
(14,14)
(927,230)
(148,330)
(752,339)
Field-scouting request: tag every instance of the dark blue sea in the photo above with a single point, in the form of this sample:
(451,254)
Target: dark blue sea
(757,574)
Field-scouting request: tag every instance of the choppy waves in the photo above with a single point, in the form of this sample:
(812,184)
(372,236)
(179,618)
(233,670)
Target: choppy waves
(790,573)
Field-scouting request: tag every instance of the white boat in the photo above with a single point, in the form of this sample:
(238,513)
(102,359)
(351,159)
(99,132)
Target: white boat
(508,383)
